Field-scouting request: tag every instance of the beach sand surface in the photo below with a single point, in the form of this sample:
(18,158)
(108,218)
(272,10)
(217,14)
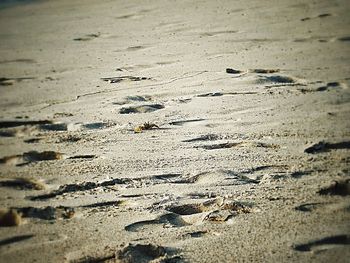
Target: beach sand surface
(175,131)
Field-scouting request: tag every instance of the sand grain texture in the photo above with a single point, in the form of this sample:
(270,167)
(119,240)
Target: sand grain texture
(175,131)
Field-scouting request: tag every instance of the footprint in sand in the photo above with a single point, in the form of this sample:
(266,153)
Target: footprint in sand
(15,239)
(259,71)
(11,81)
(32,140)
(264,71)
(344,39)
(214,33)
(277,80)
(324,243)
(136,98)
(164,221)
(196,234)
(327,87)
(324,207)
(34,156)
(254,175)
(319,16)
(135,48)
(22,128)
(124,78)
(87,37)
(74,126)
(12,124)
(217,210)
(22,183)
(341,187)
(186,122)
(330,86)
(29,241)
(219,177)
(85,186)
(219,94)
(46,213)
(308,207)
(29,157)
(203,138)
(62,212)
(237,144)
(141,109)
(20,60)
(327,146)
(141,253)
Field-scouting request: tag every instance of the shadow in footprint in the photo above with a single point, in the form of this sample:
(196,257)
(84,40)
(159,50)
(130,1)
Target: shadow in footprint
(214,33)
(69,188)
(327,87)
(169,219)
(87,37)
(11,124)
(23,184)
(326,147)
(344,39)
(124,78)
(32,140)
(278,79)
(324,243)
(15,239)
(237,144)
(86,156)
(219,146)
(11,81)
(73,126)
(103,204)
(309,207)
(187,209)
(196,234)
(341,188)
(136,98)
(46,213)
(215,210)
(141,109)
(140,253)
(219,94)
(233,71)
(207,137)
(29,157)
(166,177)
(183,122)
(20,60)
(264,71)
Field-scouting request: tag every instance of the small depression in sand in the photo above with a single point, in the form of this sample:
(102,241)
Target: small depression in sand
(324,243)
(168,219)
(124,78)
(236,144)
(277,79)
(136,98)
(341,187)
(141,109)
(73,126)
(32,156)
(35,156)
(22,184)
(140,253)
(327,146)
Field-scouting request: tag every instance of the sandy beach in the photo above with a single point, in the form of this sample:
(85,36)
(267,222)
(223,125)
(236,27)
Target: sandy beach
(175,131)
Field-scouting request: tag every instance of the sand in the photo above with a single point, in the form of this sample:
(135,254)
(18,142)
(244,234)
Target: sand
(175,131)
